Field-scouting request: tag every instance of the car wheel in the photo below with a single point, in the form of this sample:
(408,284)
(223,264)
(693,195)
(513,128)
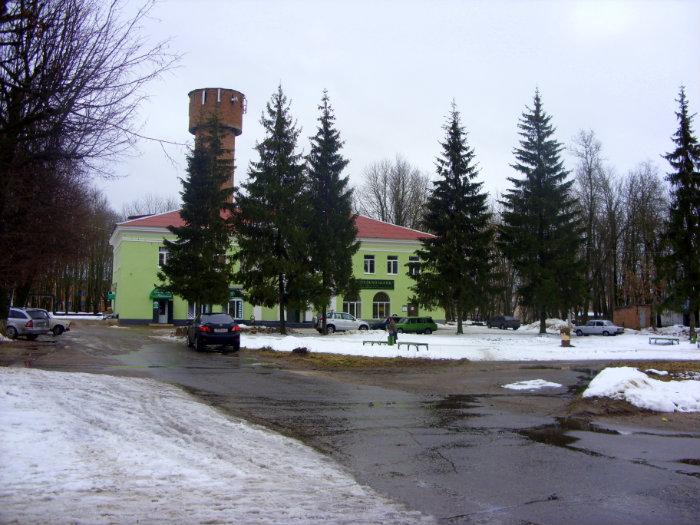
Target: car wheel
(330,328)
(32,337)
(399,331)
(488,325)
(199,345)
(606,333)
(579,333)
(236,347)
(502,327)
(11,332)
(57,330)
(364,327)
(427,331)
(190,343)
(515,328)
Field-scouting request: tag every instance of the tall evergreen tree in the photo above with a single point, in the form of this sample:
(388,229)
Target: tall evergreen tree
(541,230)
(684,225)
(456,263)
(332,231)
(273,217)
(196,268)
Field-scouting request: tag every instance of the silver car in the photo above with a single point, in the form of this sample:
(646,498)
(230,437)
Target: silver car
(29,323)
(340,321)
(598,327)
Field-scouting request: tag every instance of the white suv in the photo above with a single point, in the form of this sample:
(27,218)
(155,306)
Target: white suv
(340,321)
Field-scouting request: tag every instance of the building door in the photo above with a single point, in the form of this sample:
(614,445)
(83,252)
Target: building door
(163,309)
(235,308)
(412,310)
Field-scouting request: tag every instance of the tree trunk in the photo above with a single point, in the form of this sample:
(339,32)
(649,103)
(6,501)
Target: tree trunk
(324,327)
(543,324)
(458,309)
(22,293)
(4,308)
(283,325)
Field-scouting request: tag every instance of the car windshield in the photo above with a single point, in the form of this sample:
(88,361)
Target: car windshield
(403,320)
(217,318)
(37,314)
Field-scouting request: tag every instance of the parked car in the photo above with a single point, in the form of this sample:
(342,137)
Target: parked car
(598,327)
(416,325)
(213,329)
(503,322)
(381,324)
(57,326)
(340,321)
(29,323)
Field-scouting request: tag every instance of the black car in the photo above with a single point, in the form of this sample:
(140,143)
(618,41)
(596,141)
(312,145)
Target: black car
(214,329)
(503,322)
(381,324)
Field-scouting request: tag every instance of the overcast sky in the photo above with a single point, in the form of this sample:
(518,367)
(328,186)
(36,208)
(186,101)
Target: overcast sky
(392,69)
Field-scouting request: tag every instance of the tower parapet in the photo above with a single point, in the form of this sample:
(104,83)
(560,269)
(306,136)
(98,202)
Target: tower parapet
(228,105)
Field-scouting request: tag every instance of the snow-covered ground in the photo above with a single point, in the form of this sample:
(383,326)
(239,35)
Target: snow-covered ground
(81,448)
(532,384)
(637,388)
(479,343)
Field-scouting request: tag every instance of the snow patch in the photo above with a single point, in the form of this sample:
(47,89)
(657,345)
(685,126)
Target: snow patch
(657,372)
(532,384)
(631,385)
(553,326)
(88,448)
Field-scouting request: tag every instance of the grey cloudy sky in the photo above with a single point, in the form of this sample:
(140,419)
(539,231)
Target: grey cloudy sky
(392,69)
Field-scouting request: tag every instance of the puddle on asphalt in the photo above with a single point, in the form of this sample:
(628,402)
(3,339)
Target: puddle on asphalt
(452,408)
(557,434)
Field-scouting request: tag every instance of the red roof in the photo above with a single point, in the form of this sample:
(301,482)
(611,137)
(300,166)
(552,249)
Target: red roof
(366,228)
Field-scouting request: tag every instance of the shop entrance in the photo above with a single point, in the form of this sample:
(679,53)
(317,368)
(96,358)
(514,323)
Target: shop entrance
(163,311)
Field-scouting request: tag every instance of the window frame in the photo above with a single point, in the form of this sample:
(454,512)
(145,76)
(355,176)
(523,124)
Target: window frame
(163,254)
(392,264)
(369,258)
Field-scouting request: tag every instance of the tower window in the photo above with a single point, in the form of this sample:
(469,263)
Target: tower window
(369,263)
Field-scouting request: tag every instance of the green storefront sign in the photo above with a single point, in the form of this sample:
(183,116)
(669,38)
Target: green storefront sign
(158,293)
(375,284)
(111,296)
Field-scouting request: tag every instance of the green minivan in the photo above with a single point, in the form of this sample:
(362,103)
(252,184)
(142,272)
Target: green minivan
(416,325)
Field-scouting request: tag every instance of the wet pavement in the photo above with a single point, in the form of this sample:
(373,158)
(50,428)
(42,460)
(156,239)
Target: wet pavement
(462,458)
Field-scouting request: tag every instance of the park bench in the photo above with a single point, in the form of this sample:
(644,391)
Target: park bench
(375,342)
(409,344)
(663,340)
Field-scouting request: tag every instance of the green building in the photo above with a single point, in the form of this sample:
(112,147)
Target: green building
(381,265)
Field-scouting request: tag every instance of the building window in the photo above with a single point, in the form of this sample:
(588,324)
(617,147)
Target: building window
(191,310)
(352,306)
(162,256)
(413,265)
(392,264)
(235,308)
(380,306)
(369,263)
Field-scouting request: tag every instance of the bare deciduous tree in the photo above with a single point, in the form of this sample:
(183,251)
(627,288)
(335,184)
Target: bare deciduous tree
(72,74)
(149,204)
(393,192)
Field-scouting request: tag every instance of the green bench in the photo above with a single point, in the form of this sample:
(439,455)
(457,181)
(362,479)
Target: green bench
(662,340)
(407,344)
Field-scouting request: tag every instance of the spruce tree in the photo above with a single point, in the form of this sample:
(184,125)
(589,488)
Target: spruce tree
(332,231)
(272,219)
(684,224)
(456,263)
(541,229)
(197,268)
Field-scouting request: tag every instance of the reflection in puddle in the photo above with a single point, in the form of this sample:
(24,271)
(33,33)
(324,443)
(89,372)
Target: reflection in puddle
(556,434)
(451,409)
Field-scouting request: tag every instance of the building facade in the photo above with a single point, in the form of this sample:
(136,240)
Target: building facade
(382,265)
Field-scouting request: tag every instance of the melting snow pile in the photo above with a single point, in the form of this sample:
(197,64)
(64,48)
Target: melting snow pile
(532,384)
(82,448)
(631,385)
(553,326)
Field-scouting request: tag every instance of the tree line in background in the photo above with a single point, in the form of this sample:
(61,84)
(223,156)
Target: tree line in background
(71,78)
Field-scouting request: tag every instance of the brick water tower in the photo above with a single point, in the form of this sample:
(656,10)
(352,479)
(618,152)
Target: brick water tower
(229,106)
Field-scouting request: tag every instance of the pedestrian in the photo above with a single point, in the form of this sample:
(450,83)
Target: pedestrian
(391,328)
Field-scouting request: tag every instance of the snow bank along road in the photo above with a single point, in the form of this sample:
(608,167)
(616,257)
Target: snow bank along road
(483,344)
(80,448)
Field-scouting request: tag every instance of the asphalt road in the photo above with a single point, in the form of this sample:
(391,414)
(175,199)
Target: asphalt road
(479,454)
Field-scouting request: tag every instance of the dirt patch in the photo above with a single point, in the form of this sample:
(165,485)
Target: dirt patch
(341,362)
